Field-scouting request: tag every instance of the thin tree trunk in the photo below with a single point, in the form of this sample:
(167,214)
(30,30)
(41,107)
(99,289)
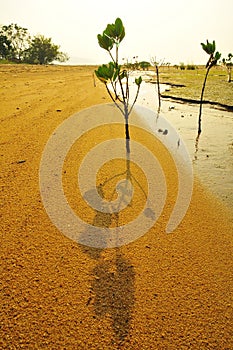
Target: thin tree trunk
(229,75)
(201,101)
(94,82)
(159,96)
(127,136)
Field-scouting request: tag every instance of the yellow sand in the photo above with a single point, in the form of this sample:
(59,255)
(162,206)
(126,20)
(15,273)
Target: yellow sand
(163,291)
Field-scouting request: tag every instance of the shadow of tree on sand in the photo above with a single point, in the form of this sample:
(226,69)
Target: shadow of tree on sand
(112,284)
(113,278)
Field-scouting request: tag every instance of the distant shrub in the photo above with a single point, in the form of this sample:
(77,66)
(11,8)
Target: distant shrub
(144,65)
(182,66)
(191,67)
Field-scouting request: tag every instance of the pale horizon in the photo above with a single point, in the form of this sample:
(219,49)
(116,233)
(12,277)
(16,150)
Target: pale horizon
(170,30)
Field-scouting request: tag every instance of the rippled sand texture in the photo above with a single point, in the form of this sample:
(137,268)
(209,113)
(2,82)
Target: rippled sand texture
(163,291)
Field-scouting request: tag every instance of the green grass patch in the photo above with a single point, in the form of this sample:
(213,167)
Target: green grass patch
(217,88)
(6,62)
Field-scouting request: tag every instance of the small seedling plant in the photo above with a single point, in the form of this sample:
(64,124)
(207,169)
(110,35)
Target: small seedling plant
(228,64)
(114,76)
(156,64)
(214,56)
(116,80)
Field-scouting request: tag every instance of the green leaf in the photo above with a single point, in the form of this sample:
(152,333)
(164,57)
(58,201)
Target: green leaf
(115,31)
(213,47)
(208,47)
(119,28)
(110,70)
(138,81)
(116,73)
(203,46)
(99,75)
(105,42)
(107,73)
(123,74)
(217,55)
(110,31)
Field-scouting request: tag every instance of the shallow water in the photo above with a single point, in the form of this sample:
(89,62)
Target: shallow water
(213,161)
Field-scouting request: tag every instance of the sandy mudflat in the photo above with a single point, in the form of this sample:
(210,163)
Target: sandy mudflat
(163,291)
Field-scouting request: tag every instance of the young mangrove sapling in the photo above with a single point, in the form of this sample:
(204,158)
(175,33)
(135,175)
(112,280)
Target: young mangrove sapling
(209,48)
(228,64)
(156,64)
(113,76)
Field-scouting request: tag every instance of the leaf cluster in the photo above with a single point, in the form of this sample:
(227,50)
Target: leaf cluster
(112,73)
(113,34)
(227,61)
(210,48)
(108,72)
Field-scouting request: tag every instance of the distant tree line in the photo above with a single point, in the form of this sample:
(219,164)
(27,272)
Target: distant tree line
(16,45)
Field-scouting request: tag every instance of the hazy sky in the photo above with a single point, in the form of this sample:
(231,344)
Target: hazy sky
(169,29)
